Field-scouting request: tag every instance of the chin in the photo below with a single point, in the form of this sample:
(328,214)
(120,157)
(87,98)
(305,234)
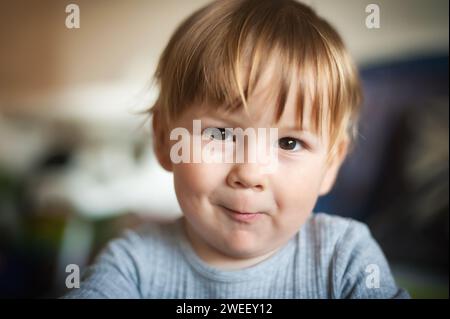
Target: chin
(242,246)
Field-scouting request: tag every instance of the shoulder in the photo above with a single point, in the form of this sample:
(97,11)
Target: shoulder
(330,239)
(148,239)
(329,231)
(127,266)
(350,255)
(335,223)
(345,239)
(142,256)
(136,251)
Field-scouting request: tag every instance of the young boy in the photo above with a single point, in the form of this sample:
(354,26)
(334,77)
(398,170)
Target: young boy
(247,229)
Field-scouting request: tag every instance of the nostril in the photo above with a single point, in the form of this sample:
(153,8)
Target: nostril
(258,188)
(239,184)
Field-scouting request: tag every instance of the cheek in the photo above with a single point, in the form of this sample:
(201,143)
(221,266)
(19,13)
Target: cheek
(194,183)
(299,188)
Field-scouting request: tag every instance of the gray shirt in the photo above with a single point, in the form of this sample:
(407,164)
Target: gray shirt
(329,257)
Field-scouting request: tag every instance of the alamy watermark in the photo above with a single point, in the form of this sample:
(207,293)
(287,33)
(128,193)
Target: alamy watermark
(73,278)
(373,276)
(225,145)
(73,17)
(373,19)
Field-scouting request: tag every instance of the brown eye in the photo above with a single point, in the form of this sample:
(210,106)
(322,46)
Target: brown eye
(289,144)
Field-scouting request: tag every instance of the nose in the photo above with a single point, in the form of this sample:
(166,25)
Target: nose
(247,175)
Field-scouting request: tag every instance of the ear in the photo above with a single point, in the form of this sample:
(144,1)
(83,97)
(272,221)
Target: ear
(333,166)
(161,141)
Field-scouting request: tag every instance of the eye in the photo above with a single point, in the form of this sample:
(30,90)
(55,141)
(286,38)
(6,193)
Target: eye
(218,133)
(289,144)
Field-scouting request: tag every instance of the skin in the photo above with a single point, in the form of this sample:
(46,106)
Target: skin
(283,199)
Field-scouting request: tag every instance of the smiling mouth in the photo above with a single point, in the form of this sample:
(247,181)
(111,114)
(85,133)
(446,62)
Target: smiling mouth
(241,216)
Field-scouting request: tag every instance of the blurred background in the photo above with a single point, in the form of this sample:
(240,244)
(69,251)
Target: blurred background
(76,165)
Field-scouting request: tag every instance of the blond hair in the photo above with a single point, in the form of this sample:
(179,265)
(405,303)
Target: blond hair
(208,52)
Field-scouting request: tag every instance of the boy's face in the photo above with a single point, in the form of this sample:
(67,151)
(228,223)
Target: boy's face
(240,210)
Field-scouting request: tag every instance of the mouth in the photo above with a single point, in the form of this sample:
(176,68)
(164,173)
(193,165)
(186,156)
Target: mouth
(241,216)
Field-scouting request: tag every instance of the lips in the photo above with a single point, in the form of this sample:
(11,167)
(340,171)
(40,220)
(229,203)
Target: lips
(241,216)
